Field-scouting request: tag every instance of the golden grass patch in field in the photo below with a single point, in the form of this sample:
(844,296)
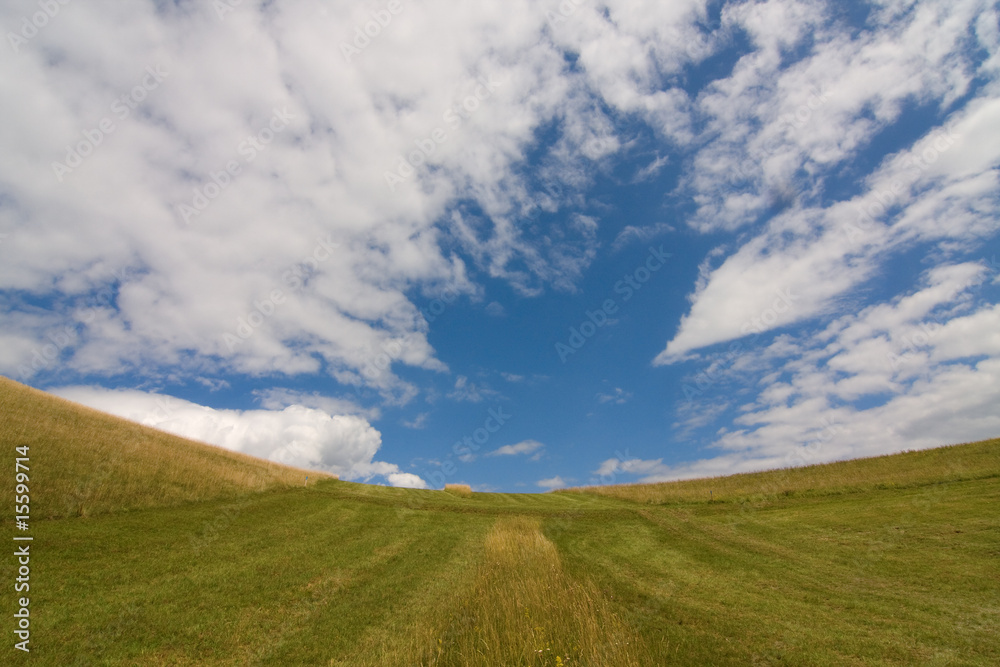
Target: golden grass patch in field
(461,490)
(524,609)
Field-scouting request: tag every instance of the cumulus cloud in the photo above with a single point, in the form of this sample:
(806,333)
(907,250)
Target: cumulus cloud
(168,210)
(237,215)
(406,480)
(551,483)
(295,435)
(277,398)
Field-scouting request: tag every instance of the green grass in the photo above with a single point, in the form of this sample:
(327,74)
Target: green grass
(862,567)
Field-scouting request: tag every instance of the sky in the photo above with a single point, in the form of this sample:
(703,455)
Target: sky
(518,244)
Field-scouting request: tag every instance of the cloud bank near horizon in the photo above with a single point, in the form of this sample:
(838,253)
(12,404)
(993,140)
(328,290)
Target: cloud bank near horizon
(296,435)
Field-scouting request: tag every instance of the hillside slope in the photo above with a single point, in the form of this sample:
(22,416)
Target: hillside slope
(952,463)
(85,462)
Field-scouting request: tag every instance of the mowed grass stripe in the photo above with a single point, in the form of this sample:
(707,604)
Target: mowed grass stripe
(869,579)
(292,579)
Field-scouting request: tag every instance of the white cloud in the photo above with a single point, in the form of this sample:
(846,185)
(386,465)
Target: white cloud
(618,396)
(524,447)
(407,480)
(556,482)
(494,309)
(466,390)
(651,170)
(919,371)
(296,435)
(762,287)
(418,422)
(299,260)
(641,234)
(779,127)
(807,259)
(278,399)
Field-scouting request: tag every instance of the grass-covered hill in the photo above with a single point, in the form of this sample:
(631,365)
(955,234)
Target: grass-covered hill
(85,462)
(889,561)
(897,471)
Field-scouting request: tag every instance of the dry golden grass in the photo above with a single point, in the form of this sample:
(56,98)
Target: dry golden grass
(85,462)
(525,610)
(461,490)
(943,464)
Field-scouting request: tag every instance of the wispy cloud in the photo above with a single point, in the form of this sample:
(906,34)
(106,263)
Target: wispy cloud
(640,234)
(806,260)
(523,448)
(468,391)
(618,396)
(418,422)
(919,371)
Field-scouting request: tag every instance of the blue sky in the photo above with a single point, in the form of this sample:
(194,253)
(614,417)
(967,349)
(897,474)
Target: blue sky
(520,244)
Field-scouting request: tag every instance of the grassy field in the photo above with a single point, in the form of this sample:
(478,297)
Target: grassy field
(855,565)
